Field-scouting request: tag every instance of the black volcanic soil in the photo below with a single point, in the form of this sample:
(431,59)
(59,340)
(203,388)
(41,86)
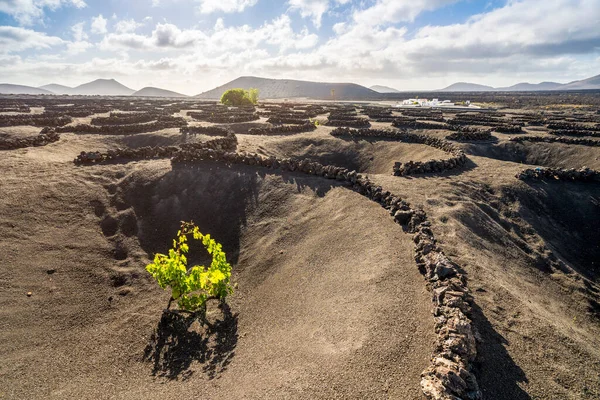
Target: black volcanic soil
(329,302)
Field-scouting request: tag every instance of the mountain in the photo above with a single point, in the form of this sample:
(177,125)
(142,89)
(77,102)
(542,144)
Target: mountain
(57,89)
(156,92)
(467,87)
(288,88)
(7,88)
(384,89)
(584,84)
(102,87)
(531,87)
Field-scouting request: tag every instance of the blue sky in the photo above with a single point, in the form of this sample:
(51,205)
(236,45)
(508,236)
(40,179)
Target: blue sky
(194,45)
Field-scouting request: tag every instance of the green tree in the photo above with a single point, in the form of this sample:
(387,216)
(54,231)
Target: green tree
(253,95)
(237,98)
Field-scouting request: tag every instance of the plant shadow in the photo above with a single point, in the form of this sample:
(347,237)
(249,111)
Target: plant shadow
(179,341)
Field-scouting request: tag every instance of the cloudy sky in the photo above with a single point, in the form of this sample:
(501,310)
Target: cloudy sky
(194,45)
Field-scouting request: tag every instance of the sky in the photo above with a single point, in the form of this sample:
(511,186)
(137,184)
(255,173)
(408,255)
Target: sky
(191,46)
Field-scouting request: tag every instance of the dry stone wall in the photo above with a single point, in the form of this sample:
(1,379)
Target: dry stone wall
(283,129)
(458,157)
(467,133)
(163,122)
(559,174)
(557,139)
(46,136)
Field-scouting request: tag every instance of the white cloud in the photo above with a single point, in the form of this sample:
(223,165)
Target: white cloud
(127,25)
(15,39)
(392,11)
(27,12)
(78,47)
(310,8)
(78,31)
(99,24)
(228,6)
(223,39)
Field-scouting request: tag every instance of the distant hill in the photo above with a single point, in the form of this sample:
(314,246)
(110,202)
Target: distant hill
(531,87)
(384,89)
(156,92)
(288,88)
(7,88)
(467,87)
(584,84)
(57,89)
(589,83)
(102,87)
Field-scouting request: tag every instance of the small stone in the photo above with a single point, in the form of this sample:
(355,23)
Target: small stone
(51,271)
(29,294)
(403,217)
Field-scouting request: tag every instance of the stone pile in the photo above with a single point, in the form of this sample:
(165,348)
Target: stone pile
(46,136)
(506,128)
(574,127)
(424,114)
(225,117)
(124,119)
(467,133)
(583,174)
(449,375)
(479,119)
(290,119)
(555,139)
(405,124)
(228,143)
(40,120)
(283,129)
(574,132)
(162,122)
(352,122)
(204,130)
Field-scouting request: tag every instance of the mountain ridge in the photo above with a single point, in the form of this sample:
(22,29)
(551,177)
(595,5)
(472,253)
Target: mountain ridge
(383,89)
(150,91)
(291,88)
(592,83)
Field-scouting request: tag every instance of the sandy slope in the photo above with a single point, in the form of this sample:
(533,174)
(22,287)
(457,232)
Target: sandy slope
(329,304)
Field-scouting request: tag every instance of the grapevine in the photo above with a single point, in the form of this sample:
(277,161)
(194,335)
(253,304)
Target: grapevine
(192,288)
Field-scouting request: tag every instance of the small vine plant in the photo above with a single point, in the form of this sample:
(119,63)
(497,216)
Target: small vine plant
(192,288)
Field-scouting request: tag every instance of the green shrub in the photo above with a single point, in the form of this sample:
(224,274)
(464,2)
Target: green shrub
(240,97)
(192,288)
(253,95)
